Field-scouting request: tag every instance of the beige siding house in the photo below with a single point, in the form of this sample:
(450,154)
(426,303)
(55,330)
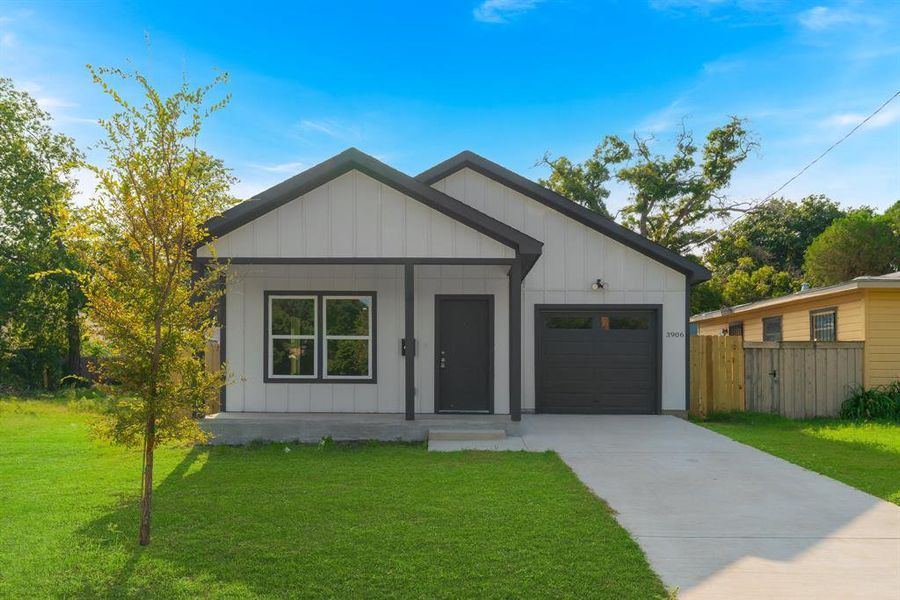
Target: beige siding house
(866,309)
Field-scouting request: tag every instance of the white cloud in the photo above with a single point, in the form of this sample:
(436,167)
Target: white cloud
(332,128)
(501,11)
(820,18)
(7,39)
(888,116)
(288,167)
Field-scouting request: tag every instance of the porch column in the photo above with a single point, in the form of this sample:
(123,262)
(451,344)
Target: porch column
(409,340)
(515,340)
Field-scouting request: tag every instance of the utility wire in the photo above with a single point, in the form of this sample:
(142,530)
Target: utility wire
(799,173)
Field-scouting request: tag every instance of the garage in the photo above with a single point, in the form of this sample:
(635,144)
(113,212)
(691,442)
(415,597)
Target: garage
(597,359)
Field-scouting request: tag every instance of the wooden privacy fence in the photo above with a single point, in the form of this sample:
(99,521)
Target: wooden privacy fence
(801,379)
(717,374)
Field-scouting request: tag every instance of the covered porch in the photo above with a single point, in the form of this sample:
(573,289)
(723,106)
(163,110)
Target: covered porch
(405,361)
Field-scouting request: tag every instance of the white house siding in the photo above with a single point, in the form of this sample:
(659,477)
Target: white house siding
(356,216)
(246,286)
(245,328)
(573,257)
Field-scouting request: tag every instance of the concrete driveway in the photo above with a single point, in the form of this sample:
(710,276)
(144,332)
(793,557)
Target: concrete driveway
(719,519)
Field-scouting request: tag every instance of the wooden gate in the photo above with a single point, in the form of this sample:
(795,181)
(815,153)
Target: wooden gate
(717,374)
(801,379)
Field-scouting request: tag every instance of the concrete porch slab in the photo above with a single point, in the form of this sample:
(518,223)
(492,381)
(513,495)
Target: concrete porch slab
(234,428)
(512,443)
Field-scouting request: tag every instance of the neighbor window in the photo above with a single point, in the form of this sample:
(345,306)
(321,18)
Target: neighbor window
(772,329)
(736,328)
(315,337)
(823,325)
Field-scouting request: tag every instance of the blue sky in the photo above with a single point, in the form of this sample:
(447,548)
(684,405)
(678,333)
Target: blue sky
(414,83)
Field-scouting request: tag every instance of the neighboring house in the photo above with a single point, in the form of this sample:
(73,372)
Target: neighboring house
(866,309)
(468,289)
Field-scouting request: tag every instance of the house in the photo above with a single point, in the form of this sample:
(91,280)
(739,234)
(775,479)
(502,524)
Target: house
(355,288)
(866,309)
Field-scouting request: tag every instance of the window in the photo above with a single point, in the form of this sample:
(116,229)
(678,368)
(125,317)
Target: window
(772,329)
(568,322)
(736,328)
(315,337)
(823,325)
(348,337)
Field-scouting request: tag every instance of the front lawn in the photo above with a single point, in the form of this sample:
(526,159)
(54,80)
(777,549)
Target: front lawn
(385,520)
(864,455)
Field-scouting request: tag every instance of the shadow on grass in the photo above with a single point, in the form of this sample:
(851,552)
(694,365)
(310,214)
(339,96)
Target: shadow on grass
(366,521)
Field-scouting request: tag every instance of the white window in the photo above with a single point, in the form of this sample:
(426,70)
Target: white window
(293,337)
(348,337)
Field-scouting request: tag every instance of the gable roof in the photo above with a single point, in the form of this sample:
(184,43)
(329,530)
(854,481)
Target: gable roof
(467,159)
(888,281)
(350,159)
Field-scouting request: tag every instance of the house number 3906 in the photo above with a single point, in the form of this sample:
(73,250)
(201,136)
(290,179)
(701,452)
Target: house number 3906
(675,334)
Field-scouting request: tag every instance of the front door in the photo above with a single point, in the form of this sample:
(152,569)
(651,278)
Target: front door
(464,353)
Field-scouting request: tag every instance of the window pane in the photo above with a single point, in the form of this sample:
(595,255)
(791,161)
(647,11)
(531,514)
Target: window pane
(293,357)
(823,327)
(568,322)
(347,316)
(736,328)
(629,323)
(293,316)
(772,329)
(348,357)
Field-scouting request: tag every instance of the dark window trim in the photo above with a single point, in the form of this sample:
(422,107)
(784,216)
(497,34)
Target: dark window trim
(320,337)
(437,344)
(780,328)
(656,308)
(818,312)
(736,324)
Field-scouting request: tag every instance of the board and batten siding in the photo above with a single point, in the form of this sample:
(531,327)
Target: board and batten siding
(795,319)
(246,390)
(574,256)
(355,215)
(882,354)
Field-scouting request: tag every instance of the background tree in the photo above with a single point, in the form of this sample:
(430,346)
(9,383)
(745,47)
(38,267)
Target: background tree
(862,243)
(776,234)
(585,183)
(137,235)
(39,316)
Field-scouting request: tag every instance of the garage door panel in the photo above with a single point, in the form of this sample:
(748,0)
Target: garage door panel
(597,360)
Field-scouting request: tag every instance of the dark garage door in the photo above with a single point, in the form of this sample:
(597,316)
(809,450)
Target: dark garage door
(597,361)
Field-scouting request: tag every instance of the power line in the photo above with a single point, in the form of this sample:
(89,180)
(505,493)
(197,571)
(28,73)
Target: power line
(799,173)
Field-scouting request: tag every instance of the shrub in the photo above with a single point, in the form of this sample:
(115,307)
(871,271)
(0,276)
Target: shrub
(881,402)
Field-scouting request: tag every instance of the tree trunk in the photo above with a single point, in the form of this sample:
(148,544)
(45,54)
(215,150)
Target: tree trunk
(147,483)
(73,357)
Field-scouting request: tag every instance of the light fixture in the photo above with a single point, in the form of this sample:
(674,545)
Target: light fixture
(599,285)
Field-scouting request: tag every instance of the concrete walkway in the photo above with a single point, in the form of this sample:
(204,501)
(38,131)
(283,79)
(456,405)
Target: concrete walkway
(718,519)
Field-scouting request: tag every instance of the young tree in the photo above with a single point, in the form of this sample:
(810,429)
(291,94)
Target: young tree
(862,243)
(41,314)
(144,295)
(671,197)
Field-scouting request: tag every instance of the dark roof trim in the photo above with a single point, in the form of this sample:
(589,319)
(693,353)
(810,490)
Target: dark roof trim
(466,159)
(350,159)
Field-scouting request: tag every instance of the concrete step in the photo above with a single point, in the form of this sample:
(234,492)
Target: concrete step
(460,435)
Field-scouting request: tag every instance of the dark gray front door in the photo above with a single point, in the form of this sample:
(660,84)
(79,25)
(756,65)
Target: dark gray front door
(598,360)
(464,354)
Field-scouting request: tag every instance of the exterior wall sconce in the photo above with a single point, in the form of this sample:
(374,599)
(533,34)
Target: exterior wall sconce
(599,285)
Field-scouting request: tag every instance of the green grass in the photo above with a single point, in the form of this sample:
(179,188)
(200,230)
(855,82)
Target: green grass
(274,521)
(864,455)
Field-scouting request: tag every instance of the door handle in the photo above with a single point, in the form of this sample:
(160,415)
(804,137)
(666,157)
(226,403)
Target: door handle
(443,360)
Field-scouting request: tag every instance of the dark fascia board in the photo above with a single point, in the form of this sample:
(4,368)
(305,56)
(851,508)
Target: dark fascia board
(467,159)
(350,159)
